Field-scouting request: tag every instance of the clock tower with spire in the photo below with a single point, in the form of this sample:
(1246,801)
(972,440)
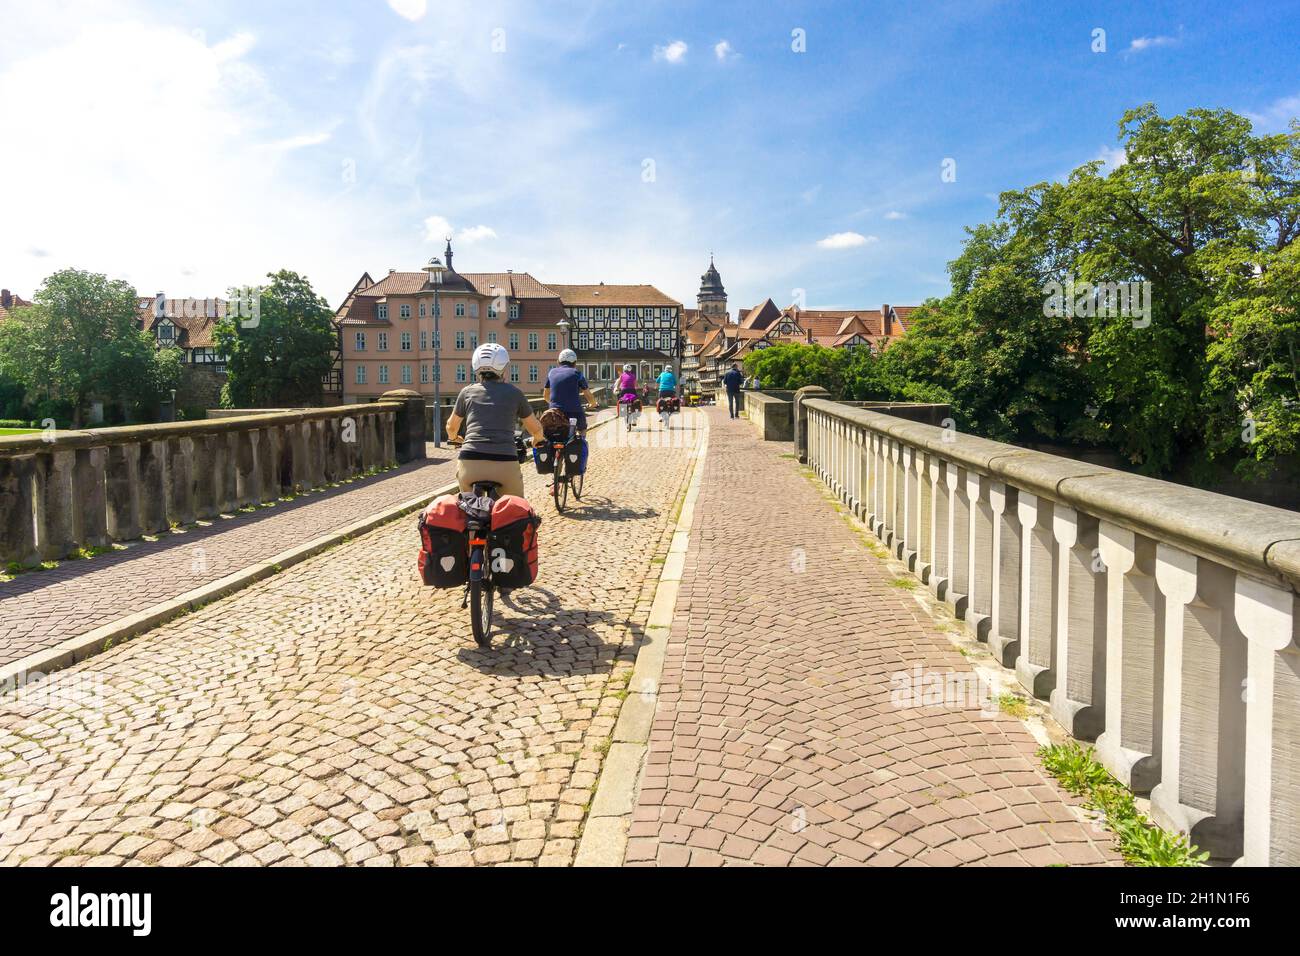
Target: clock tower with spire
(711,299)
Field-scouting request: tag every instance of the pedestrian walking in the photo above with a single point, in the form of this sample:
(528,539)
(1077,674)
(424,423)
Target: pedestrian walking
(733,380)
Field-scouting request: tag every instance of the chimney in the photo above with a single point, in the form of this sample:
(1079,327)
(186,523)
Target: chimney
(885,319)
(391,271)
(6,298)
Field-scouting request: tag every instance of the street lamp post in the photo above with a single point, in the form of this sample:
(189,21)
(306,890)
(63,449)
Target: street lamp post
(436,270)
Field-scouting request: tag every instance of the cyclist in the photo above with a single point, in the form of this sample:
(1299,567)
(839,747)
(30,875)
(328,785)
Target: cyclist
(667,383)
(566,387)
(489,410)
(627,382)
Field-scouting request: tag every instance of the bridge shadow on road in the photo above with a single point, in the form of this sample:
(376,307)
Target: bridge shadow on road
(534,632)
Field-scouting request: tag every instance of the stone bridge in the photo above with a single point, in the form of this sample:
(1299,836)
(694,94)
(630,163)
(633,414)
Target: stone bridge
(718,663)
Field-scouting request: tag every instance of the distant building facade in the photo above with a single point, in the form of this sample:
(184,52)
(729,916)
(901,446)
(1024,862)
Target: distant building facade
(188,325)
(766,325)
(387,330)
(616,325)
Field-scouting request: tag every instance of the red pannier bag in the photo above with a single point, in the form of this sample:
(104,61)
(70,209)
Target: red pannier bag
(514,542)
(444,544)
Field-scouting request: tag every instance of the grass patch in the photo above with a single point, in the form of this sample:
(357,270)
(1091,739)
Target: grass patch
(1013,705)
(903,584)
(1141,842)
(19,431)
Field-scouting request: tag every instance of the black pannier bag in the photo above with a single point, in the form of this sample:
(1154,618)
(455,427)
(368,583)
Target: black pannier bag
(544,459)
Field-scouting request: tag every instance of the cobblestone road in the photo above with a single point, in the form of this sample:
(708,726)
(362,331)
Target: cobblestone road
(776,740)
(41,609)
(340,713)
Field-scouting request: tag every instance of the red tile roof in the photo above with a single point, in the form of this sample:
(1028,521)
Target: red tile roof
(192,331)
(618,295)
(9,301)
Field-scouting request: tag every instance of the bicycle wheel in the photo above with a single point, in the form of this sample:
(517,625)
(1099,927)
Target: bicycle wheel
(576,481)
(560,485)
(480,606)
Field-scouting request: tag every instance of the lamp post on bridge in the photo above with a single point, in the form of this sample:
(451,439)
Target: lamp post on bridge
(436,270)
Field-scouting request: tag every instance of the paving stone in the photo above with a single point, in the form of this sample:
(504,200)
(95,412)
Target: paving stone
(338,711)
(785,638)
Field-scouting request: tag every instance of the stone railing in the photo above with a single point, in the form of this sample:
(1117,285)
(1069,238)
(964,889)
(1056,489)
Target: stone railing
(772,413)
(1159,620)
(63,491)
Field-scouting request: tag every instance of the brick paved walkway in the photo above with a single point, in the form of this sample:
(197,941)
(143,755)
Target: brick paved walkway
(776,741)
(340,712)
(41,609)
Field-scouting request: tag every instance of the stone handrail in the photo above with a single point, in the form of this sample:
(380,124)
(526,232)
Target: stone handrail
(66,490)
(1159,620)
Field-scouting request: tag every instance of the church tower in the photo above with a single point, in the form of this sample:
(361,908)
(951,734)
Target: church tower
(712,298)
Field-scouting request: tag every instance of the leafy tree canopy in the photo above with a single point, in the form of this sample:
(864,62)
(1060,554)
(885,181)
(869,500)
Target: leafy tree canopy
(79,341)
(279,354)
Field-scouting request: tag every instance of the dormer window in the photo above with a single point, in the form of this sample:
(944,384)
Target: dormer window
(166,332)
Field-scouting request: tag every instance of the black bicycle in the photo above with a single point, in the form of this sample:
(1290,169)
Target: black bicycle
(480,591)
(566,475)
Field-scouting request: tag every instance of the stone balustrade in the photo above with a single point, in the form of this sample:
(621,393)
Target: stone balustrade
(1159,620)
(67,490)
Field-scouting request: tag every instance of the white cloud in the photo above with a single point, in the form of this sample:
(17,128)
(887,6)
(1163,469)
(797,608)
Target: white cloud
(895,215)
(846,240)
(410,9)
(1141,44)
(1277,116)
(437,228)
(674,52)
(144,94)
(1113,156)
(476,234)
(290,143)
(234,48)
(724,51)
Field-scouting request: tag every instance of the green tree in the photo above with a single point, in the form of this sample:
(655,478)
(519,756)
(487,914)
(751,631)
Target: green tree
(1203,216)
(280,355)
(793,365)
(79,341)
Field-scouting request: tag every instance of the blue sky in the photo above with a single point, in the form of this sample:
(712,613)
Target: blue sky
(190,146)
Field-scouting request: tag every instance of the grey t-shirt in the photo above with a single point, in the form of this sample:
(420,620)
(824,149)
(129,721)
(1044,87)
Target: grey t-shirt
(491,410)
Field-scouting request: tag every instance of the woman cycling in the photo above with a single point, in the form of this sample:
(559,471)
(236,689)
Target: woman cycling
(627,385)
(489,410)
(667,383)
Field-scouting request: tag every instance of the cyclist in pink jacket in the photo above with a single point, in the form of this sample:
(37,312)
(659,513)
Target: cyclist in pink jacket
(627,382)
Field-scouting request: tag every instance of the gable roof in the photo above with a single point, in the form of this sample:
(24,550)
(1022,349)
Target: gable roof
(192,331)
(616,295)
(538,305)
(761,316)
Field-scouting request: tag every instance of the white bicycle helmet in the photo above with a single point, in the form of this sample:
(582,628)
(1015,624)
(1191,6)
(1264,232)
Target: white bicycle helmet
(628,368)
(492,357)
(568,355)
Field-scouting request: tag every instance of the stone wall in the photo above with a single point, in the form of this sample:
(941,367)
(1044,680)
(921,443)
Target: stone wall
(772,413)
(1158,620)
(63,491)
